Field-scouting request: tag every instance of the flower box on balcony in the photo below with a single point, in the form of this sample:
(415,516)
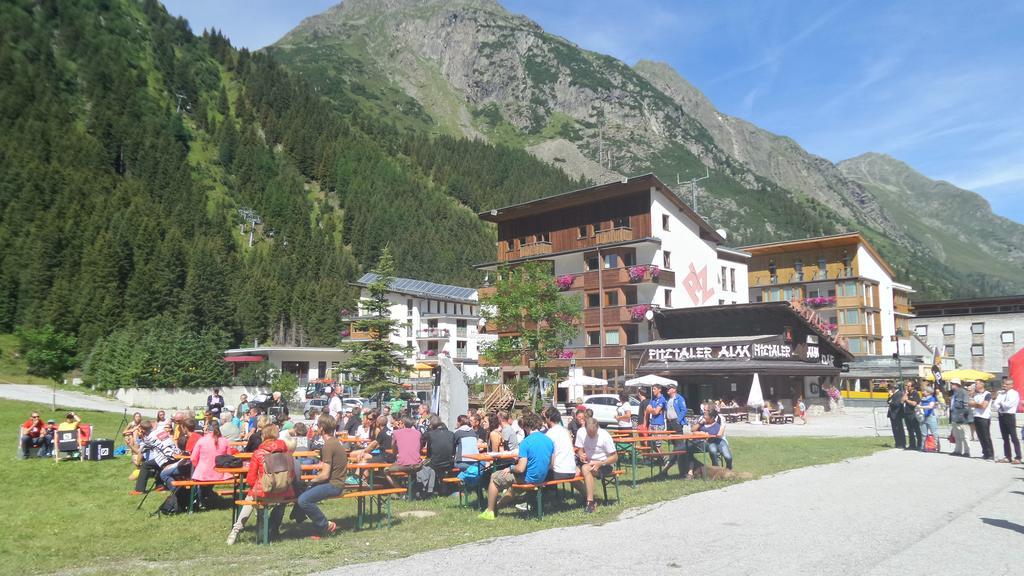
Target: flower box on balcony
(564,282)
(637,313)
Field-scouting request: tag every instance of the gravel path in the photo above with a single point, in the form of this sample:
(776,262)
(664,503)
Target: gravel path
(66,399)
(892,512)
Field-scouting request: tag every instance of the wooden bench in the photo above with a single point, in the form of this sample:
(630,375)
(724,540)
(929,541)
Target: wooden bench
(195,486)
(539,487)
(652,457)
(780,419)
(381,496)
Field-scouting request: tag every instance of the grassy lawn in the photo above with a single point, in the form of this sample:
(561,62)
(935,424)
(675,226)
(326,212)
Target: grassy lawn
(78,515)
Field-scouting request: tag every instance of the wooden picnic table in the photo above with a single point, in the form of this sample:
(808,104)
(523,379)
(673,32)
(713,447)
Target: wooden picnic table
(482,459)
(371,466)
(633,440)
(297,454)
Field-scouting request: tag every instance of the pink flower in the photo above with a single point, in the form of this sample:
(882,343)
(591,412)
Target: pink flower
(564,282)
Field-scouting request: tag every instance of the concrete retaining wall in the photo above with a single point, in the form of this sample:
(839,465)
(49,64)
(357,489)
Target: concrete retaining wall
(184,399)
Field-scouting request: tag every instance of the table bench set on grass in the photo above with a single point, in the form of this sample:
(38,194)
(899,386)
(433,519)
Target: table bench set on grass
(373,495)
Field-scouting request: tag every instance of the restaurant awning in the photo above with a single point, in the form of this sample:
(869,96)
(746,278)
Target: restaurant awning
(740,367)
(244,358)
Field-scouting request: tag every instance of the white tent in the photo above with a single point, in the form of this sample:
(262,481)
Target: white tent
(649,380)
(756,397)
(582,380)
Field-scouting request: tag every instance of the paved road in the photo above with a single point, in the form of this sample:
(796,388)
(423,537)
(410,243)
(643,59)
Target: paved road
(894,512)
(66,399)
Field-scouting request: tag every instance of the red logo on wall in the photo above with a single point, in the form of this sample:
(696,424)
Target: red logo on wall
(696,285)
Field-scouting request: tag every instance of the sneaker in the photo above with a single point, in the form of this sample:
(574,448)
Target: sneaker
(160,489)
(232,536)
(486,515)
(523,506)
(1002,461)
(135,493)
(352,481)
(591,507)
(331,528)
(1015,461)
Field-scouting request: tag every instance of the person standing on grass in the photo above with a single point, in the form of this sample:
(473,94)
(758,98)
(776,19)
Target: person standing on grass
(596,450)
(982,404)
(895,414)
(1006,407)
(33,436)
(656,413)
(624,412)
(214,403)
(960,416)
(531,467)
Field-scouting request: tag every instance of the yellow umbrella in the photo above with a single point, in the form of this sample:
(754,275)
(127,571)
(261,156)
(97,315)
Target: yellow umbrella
(962,374)
(421,366)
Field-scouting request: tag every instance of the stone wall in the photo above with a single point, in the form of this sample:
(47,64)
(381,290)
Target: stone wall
(185,398)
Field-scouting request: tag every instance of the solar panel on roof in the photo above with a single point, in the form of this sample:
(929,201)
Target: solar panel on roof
(423,287)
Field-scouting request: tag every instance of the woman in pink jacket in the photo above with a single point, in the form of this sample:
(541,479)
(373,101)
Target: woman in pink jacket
(205,452)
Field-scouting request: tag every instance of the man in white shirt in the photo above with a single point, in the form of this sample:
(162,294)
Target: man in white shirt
(596,450)
(982,404)
(1006,405)
(563,461)
(334,406)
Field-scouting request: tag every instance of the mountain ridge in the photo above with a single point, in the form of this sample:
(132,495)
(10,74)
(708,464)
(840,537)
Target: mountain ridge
(478,71)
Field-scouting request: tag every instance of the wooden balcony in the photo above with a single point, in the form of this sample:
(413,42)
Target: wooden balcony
(610,351)
(613,235)
(613,315)
(614,277)
(535,249)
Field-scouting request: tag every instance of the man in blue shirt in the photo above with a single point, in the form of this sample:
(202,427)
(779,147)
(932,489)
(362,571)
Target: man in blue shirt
(656,410)
(533,459)
(675,419)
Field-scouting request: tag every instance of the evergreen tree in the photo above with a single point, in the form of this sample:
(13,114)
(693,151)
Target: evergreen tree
(377,363)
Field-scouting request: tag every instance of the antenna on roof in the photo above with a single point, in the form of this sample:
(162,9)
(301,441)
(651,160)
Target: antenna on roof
(693,186)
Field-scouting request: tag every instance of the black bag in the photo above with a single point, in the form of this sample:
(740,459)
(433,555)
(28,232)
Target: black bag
(175,503)
(228,461)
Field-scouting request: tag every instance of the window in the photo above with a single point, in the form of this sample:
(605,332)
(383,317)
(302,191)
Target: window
(846,289)
(666,260)
(978,328)
(408,306)
(522,242)
(723,278)
(598,226)
(611,337)
(813,293)
(460,349)
(849,316)
(510,245)
(822,268)
(593,300)
(949,329)
(445,307)
(611,298)
(668,298)
(949,351)
(847,270)
(798,267)
(460,328)
(611,261)
(720,301)
(773,271)
(921,331)
(856,345)
(593,338)
(593,262)
(664,222)
(408,330)
(977,350)
(732,279)
(582,231)
(628,259)
(620,222)
(1007,337)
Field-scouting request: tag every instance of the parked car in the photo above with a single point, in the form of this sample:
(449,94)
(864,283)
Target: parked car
(363,404)
(604,406)
(319,404)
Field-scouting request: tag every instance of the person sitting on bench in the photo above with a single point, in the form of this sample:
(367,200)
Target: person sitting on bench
(718,446)
(157,443)
(563,462)
(271,445)
(531,467)
(33,435)
(596,450)
(329,481)
(406,440)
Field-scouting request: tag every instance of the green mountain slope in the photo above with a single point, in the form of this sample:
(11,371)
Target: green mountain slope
(957,225)
(476,70)
(137,160)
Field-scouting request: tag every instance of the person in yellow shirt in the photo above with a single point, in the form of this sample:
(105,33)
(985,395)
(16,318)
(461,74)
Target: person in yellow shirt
(71,422)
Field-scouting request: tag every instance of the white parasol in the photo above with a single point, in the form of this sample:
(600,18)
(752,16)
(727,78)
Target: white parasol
(756,397)
(650,380)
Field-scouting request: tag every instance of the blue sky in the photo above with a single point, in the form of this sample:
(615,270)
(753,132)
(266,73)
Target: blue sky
(938,85)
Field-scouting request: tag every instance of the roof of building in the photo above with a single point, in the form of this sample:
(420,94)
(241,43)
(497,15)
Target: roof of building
(733,254)
(265,349)
(601,192)
(422,288)
(969,306)
(830,241)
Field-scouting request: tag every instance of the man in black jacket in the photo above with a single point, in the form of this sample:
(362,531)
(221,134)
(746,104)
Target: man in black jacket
(895,414)
(911,399)
(215,403)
